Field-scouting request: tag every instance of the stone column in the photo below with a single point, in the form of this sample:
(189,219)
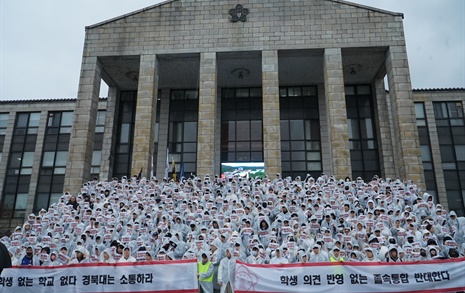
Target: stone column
(109,135)
(271,117)
(383,128)
(163,133)
(144,128)
(405,141)
(207,115)
(338,131)
(82,134)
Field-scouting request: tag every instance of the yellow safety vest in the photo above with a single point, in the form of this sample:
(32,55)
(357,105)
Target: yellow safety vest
(203,268)
(332,259)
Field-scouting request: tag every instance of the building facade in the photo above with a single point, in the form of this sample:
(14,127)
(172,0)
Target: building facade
(299,85)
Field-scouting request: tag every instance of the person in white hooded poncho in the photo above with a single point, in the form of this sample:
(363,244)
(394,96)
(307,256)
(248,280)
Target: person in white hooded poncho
(226,272)
(105,257)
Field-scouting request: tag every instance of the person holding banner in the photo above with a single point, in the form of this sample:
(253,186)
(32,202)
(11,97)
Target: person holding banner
(28,258)
(226,272)
(205,275)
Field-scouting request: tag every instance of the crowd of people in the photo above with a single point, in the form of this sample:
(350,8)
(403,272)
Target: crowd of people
(219,220)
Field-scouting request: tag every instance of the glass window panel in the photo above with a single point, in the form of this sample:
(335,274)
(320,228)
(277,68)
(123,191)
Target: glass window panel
(285,146)
(285,156)
(243,130)
(449,166)
(256,146)
(28,159)
(26,171)
(22,119)
(4,120)
(369,127)
(256,156)
(15,161)
(192,94)
(284,130)
(297,129)
(96,157)
(231,130)
(363,90)
(256,130)
(440,110)
(21,201)
(242,93)
(353,129)
(256,92)
(34,120)
(190,131)
(61,158)
(67,129)
(100,117)
(298,166)
(286,166)
(454,111)
(456,122)
(350,90)
(94,170)
(309,91)
(427,166)
(297,145)
(243,156)
(447,153)
(189,168)
(283,92)
(421,122)
(425,153)
(243,146)
(313,145)
(67,118)
(313,156)
(48,159)
(460,152)
(125,132)
(231,146)
(41,201)
(298,156)
(189,157)
(420,110)
(59,170)
(55,197)
(313,166)
(33,130)
(190,147)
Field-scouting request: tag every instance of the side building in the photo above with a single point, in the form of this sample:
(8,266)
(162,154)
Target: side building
(296,85)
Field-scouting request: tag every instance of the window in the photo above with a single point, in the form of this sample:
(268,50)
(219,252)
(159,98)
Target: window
(125,134)
(183,124)
(363,144)
(241,125)
(300,131)
(95,164)
(20,162)
(100,122)
(451,133)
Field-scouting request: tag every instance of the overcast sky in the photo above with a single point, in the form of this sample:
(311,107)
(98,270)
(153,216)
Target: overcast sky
(41,42)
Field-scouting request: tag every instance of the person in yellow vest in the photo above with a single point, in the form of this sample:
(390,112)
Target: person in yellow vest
(336,255)
(205,275)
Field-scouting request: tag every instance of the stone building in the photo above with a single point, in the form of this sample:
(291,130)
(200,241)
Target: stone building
(299,85)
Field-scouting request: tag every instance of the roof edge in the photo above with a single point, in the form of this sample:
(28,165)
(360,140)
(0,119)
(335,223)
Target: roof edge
(369,8)
(128,14)
(49,100)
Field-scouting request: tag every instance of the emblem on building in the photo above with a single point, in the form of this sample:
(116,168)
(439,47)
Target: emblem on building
(239,13)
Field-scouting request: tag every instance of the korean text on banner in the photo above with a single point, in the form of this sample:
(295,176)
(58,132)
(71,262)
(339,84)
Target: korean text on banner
(427,276)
